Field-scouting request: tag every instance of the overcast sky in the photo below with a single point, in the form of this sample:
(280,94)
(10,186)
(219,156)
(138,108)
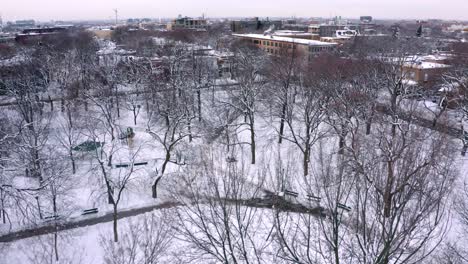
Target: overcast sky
(46,10)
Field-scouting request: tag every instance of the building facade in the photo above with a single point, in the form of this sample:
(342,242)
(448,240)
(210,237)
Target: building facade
(424,71)
(279,45)
(253,25)
(187,23)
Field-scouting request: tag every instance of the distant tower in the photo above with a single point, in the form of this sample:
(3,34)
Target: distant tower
(395,31)
(116,16)
(419,32)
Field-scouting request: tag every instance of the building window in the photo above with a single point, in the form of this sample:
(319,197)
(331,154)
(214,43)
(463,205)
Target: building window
(276,44)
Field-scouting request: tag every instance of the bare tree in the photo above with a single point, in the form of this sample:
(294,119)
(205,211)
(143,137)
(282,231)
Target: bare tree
(282,73)
(169,133)
(321,233)
(58,183)
(146,240)
(216,221)
(306,116)
(248,70)
(401,194)
(108,151)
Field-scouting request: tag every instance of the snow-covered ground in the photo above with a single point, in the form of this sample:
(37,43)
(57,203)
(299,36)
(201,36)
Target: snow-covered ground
(85,244)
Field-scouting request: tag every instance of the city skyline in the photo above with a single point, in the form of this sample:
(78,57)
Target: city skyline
(47,10)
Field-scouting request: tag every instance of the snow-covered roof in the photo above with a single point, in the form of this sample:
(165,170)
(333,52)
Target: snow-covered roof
(286,39)
(420,61)
(427,65)
(446,88)
(435,57)
(410,82)
(16,60)
(292,33)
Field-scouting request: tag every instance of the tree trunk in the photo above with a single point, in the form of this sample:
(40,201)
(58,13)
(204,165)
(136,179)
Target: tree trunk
(228,139)
(116,234)
(54,203)
(3,207)
(72,159)
(252,139)
(166,117)
(70,120)
(434,121)
(118,105)
(368,126)
(283,117)
(388,190)
(342,140)
(56,244)
(3,214)
(190,130)
(369,121)
(134,116)
(163,169)
(51,104)
(341,145)
(199,105)
(305,163)
(154,187)
(110,195)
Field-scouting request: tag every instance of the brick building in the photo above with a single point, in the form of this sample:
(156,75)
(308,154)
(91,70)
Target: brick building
(276,45)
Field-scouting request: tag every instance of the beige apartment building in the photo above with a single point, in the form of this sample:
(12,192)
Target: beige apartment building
(187,23)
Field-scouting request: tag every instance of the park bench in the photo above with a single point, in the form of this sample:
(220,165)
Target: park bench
(124,165)
(291,193)
(343,207)
(313,198)
(90,211)
(51,218)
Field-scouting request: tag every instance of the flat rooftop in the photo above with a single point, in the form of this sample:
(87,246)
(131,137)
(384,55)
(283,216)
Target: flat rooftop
(286,39)
(427,65)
